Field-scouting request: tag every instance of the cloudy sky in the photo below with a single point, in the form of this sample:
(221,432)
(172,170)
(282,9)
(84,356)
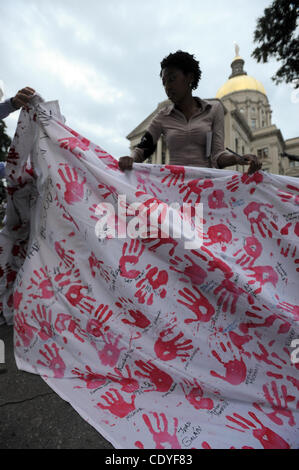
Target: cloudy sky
(101,59)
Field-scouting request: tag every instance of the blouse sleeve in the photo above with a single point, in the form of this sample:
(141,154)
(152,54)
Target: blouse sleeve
(218,137)
(148,143)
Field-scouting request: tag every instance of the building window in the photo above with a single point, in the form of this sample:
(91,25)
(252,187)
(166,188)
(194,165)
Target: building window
(236,145)
(263,153)
(253,123)
(243,150)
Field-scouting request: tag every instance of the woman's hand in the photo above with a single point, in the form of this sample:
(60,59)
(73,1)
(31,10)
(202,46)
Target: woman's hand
(252,160)
(125,163)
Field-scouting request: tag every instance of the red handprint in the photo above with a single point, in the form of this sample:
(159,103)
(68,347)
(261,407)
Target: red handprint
(77,299)
(12,157)
(263,275)
(161,435)
(53,361)
(198,304)
(157,242)
(258,218)
(160,379)
(92,379)
(264,357)
(130,256)
(219,233)
(169,349)
(195,395)
(116,404)
(65,256)
(276,405)
(72,143)
(235,369)
(146,183)
(138,318)
(128,384)
(268,438)
(154,280)
(253,249)
(175,173)
(74,190)
(194,273)
(112,162)
(24,329)
(233,184)
(43,318)
(290,308)
(96,263)
(215,199)
(256,178)
(43,283)
(289,196)
(228,291)
(94,325)
(195,187)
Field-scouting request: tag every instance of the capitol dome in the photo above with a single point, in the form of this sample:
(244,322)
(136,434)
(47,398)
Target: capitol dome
(239,80)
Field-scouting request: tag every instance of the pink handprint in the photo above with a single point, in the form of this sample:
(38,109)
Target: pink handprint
(195,395)
(53,361)
(43,318)
(161,435)
(24,329)
(168,349)
(154,280)
(92,379)
(95,324)
(198,304)
(253,249)
(175,173)
(268,438)
(258,218)
(116,404)
(276,405)
(235,369)
(73,326)
(160,379)
(109,355)
(71,143)
(128,384)
(74,190)
(130,256)
(138,318)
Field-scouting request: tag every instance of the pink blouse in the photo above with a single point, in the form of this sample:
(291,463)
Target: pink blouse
(197,142)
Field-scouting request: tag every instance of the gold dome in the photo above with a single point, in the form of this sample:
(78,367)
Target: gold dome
(240,83)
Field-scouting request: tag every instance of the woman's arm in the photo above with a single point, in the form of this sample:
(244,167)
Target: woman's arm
(146,146)
(221,158)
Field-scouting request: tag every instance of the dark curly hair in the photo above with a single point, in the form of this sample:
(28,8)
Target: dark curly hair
(184,62)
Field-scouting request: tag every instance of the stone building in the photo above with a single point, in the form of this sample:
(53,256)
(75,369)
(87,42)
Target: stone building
(248,125)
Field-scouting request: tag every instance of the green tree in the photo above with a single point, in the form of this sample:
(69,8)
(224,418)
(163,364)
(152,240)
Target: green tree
(5,141)
(277,35)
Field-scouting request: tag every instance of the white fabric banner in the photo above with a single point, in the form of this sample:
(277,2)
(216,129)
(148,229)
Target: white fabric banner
(156,345)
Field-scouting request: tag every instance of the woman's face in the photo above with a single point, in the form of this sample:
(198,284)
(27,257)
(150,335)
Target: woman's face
(176,83)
